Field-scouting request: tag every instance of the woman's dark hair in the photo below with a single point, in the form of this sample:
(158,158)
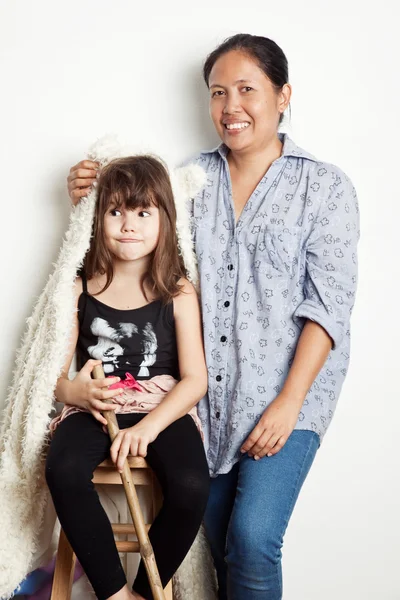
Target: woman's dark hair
(138,182)
(268,55)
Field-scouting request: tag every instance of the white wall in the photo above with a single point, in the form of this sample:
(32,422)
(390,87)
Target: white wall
(71,72)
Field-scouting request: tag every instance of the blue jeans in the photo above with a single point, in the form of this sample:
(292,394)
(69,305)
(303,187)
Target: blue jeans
(247,515)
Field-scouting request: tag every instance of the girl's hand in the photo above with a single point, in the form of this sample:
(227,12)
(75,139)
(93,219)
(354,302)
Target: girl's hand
(80,179)
(133,440)
(93,394)
(273,429)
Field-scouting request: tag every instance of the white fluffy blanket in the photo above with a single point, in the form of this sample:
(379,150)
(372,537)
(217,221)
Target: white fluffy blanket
(26,514)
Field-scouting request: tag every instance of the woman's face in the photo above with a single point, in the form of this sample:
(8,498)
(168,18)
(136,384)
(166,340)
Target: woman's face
(244,105)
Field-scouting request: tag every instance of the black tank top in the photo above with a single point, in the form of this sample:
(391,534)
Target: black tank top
(140,341)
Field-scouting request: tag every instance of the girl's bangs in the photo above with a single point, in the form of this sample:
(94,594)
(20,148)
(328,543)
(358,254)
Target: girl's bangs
(132,196)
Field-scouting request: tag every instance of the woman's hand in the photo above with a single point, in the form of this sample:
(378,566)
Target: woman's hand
(92,394)
(273,429)
(80,179)
(133,440)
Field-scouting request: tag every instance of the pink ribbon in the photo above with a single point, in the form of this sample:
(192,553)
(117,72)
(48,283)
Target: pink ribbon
(129,382)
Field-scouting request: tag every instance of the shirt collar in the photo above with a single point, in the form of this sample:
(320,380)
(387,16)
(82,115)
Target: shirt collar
(289,149)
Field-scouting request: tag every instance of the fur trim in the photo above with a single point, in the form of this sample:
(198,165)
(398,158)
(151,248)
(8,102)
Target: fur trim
(186,182)
(40,359)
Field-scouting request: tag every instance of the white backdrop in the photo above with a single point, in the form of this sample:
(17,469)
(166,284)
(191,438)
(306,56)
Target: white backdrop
(73,71)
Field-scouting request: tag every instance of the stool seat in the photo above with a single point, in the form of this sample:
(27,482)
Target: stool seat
(107,474)
(134,462)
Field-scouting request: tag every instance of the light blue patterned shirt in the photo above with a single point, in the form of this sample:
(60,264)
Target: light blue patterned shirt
(291,256)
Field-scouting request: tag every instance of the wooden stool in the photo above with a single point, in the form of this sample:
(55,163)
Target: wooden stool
(106,473)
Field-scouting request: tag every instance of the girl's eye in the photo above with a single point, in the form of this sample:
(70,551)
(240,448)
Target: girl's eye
(144,213)
(115,212)
(247,88)
(217,93)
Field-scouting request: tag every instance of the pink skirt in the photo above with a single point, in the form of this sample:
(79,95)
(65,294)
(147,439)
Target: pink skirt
(137,397)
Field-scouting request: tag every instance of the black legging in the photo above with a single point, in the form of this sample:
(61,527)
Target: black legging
(178,460)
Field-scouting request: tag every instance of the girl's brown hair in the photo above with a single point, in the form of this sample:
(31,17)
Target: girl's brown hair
(138,182)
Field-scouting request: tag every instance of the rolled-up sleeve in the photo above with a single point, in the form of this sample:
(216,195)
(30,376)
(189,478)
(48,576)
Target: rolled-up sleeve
(331,261)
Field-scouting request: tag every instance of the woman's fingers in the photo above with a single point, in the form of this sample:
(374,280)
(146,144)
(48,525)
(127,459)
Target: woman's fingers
(80,179)
(252,438)
(266,446)
(80,183)
(262,441)
(278,446)
(82,171)
(266,442)
(88,165)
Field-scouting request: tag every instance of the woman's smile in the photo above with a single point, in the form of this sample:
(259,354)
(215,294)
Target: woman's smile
(235,127)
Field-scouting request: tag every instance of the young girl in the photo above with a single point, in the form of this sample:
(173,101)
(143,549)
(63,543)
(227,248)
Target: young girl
(139,317)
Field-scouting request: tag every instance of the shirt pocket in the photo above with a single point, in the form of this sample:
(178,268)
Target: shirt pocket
(278,251)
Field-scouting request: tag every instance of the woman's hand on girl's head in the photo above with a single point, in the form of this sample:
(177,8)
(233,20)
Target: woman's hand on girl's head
(80,179)
(93,394)
(134,441)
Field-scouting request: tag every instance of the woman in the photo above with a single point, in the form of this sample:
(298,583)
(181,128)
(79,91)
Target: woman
(275,236)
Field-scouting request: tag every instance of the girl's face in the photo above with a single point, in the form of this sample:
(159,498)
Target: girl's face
(244,105)
(131,234)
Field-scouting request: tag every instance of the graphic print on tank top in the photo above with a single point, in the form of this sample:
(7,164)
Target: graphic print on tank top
(110,351)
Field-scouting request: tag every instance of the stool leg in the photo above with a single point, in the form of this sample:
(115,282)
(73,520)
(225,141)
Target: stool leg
(168,591)
(157,500)
(64,570)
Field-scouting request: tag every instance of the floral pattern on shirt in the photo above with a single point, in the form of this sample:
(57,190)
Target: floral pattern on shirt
(291,256)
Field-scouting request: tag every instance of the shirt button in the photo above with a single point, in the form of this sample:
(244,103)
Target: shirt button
(217,414)
(230,267)
(218,378)
(223,338)
(226,303)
